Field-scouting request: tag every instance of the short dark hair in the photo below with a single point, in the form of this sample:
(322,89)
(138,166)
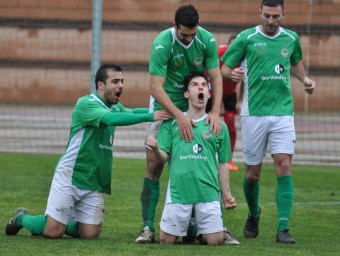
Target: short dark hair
(191,76)
(273,3)
(101,74)
(187,16)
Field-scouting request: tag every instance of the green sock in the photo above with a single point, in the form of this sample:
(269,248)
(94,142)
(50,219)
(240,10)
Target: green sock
(72,229)
(149,200)
(284,201)
(35,224)
(251,193)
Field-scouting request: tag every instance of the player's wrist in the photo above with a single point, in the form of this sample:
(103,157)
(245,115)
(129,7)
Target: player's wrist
(214,112)
(304,79)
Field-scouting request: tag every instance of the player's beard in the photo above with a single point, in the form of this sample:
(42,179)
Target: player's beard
(271,30)
(111,97)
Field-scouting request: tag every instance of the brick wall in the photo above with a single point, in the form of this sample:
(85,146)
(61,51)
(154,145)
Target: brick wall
(48,61)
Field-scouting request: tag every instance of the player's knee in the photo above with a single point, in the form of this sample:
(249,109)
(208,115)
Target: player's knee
(253,174)
(154,169)
(89,234)
(53,233)
(54,229)
(87,231)
(284,169)
(213,239)
(165,238)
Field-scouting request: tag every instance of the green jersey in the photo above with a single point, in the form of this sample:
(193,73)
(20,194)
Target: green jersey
(87,160)
(266,62)
(193,166)
(173,60)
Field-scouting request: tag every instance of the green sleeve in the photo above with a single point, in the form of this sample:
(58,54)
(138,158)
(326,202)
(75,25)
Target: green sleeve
(297,52)
(236,51)
(136,110)
(140,110)
(124,119)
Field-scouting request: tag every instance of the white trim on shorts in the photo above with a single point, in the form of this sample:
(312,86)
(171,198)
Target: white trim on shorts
(258,132)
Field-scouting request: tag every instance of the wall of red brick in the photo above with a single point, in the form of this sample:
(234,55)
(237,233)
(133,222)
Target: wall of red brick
(64,86)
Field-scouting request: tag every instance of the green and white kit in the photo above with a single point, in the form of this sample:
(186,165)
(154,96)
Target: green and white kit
(266,62)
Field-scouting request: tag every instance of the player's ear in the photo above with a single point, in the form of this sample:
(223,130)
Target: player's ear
(100,84)
(173,23)
(186,95)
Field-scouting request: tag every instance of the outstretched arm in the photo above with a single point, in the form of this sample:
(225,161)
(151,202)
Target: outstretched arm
(126,118)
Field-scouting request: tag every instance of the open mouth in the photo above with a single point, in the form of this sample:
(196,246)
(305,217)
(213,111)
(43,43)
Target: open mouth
(201,96)
(118,94)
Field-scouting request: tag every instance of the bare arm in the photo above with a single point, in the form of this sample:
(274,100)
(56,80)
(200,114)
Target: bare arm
(158,92)
(217,91)
(216,87)
(152,144)
(298,70)
(223,177)
(235,74)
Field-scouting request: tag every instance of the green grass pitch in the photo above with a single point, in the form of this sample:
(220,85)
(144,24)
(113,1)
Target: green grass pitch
(25,181)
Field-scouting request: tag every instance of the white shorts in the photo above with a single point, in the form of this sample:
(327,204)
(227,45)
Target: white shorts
(68,203)
(176,217)
(260,131)
(152,129)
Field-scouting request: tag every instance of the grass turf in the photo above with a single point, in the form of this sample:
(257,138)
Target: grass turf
(25,181)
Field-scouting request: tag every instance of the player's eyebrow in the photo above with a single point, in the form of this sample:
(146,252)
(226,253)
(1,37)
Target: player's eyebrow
(198,83)
(116,80)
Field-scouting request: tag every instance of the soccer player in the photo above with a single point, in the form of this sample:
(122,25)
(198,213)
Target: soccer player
(229,103)
(197,172)
(75,204)
(268,53)
(176,51)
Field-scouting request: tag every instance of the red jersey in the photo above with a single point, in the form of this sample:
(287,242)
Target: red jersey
(229,86)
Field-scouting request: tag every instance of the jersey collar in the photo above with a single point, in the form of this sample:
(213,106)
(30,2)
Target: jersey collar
(174,36)
(101,101)
(199,119)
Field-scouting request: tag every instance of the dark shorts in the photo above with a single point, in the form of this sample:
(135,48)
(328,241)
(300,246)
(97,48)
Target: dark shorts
(230,102)
(209,106)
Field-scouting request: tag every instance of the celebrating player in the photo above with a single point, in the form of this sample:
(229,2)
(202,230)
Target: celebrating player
(197,172)
(75,204)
